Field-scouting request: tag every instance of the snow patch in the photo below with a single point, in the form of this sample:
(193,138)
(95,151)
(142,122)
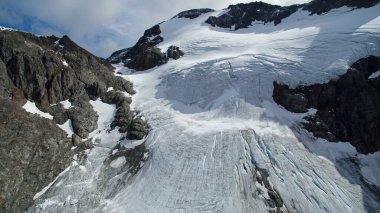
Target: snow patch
(118,162)
(64,62)
(32,108)
(6,28)
(67,127)
(374,75)
(66,104)
(103,134)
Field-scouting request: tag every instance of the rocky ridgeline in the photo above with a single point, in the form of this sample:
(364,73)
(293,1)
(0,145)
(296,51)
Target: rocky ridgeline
(144,54)
(348,108)
(242,15)
(48,70)
(194,13)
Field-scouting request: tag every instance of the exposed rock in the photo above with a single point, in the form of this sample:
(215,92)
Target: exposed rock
(143,55)
(146,58)
(137,130)
(83,120)
(35,65)
(114,97)
(33,151)
(324,6)
(83,144)
(135,127)
(48,70)
(134,157)
(153,31)
(174,52)
(123,117)
(242,15)
(348,108)
(194,13)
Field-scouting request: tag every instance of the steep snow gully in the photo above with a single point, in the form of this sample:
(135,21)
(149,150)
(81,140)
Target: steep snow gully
(218,142)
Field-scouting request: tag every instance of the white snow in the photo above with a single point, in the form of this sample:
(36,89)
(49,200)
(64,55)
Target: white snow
(213,125)
(64,62)
(374,75)
(118,162)
(66,104)
(109,89)
(67,127)
(106,114)
(32,108)
(6,28)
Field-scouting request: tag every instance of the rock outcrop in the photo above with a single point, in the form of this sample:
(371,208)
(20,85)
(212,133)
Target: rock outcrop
(194,13)
(242,15)
(174,52)
(146,57)
(48,70)
(348,108)
(33,151)
(144,54)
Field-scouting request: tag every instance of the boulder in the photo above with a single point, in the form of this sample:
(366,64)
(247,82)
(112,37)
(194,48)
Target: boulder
(137,129)
(174,52)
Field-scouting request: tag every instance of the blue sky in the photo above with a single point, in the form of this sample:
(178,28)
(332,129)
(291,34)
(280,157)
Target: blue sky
(101,26)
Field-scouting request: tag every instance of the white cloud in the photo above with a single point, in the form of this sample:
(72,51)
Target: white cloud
(107,46)
(104,26)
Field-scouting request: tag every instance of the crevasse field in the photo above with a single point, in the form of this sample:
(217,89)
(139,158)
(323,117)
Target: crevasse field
(214,125)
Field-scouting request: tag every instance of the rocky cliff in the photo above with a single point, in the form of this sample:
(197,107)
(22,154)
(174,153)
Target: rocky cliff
(48,70)
(348,107)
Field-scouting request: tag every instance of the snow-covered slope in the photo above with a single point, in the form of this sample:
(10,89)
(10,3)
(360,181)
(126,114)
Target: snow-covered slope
(218,141)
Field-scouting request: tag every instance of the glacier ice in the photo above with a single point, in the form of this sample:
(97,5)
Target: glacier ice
(215,127)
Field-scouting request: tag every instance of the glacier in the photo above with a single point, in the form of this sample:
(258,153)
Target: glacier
(216,131)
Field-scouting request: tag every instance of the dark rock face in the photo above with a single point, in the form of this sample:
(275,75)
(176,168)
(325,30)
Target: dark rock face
(153,31)
(348,108)
(33,151)
(143,55)
(36,66)
(174,52)
(146,57)
(242,15)
(48,70)
(137,130)
(194,13)
(324,6)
